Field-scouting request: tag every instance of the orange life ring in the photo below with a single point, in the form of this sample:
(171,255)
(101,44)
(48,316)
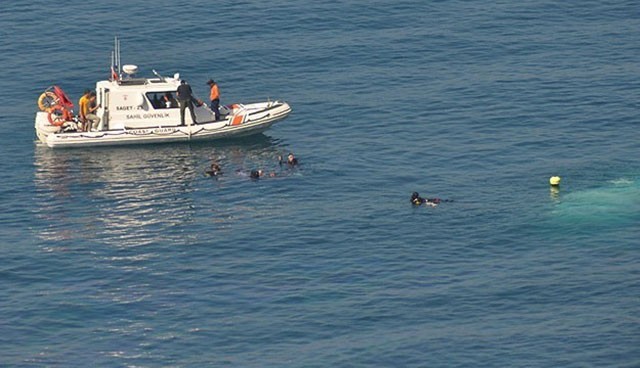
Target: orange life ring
(58,115)
(47,101)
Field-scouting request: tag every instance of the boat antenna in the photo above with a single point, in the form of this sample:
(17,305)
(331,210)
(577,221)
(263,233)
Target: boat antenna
(158,75)
(116,73)
(113,62)
(118,57)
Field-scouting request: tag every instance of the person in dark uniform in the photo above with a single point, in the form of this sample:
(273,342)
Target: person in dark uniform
(185,96)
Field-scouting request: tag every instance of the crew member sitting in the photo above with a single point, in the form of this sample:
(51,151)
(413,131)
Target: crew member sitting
(87,107)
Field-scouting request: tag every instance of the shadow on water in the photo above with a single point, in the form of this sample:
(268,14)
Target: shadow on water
(132,196)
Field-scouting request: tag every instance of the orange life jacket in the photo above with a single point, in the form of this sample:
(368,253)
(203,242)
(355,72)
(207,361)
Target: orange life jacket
(214,92)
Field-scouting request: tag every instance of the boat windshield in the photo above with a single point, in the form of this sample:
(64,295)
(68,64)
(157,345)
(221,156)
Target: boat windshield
(162,100)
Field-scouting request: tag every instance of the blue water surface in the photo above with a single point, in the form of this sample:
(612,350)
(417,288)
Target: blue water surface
(131,257)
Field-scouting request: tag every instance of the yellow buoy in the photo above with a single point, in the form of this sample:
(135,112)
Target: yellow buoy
(554,180)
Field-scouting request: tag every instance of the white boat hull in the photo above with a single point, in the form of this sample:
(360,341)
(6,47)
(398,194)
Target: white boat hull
(253,119)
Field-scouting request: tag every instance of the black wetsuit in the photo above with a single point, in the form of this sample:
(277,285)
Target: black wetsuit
(417,200)
(291,163)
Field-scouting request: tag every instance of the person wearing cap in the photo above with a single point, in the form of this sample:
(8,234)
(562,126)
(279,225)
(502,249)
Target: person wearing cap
(215,98)
(185,97)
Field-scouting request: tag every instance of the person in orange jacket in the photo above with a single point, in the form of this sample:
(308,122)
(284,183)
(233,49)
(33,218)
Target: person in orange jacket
(215,98)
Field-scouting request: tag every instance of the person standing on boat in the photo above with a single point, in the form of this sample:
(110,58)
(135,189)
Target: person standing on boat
(87,107)
(215,98)
(185,96)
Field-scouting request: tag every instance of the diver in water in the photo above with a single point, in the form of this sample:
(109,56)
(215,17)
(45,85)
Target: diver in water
(257,174)
(416,200)
(214,170)
(292,161)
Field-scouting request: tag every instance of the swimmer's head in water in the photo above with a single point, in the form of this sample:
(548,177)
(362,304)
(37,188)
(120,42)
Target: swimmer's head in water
(255,174)
(292,160)
(415,198)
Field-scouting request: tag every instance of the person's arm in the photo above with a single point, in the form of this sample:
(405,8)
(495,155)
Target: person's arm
(82,110)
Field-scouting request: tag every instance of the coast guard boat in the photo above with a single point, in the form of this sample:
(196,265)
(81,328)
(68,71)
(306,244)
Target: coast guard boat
(136,110)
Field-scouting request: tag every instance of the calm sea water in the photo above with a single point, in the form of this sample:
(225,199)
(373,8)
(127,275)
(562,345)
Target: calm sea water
(130,257)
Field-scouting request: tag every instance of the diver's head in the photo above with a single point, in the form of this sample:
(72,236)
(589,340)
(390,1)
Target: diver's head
(415,195)
(254,174)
